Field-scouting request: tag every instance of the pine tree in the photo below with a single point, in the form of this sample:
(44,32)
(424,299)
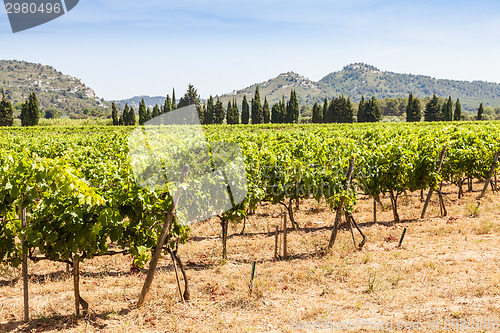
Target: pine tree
(292,110)
(114,114)
(257,113)
(362,118)
(457,116)
(167,106)
(142,112)
(480,112)
(174,101)
(317,114)
(325,110)
(432,110)
(371,111)
(266,111)
(245,111)
(6,111)
(190,97)
(416,112)
(209,113)
(156,111)
(219,112)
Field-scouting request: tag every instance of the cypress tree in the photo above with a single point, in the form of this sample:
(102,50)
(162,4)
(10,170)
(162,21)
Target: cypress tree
(232,113)
(457,116)
(266,111)
(131,117)
(325,111)
(125,116)
(410,112)
(432,110)
(257,113)
(114,114)
(174,101)
(480,112)
(219,113)
(283,110)
(25,114)
(6,111)
(333,115)
(362,118)
(142,112)
(34,111)
(167,106)
(209,115)
(349,111)
(156,111)
(317,114)
(449,108)
(275,113)
(148,114)
(245,111)
(292,110)
(444,111)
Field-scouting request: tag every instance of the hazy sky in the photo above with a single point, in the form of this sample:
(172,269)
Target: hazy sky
(123,48)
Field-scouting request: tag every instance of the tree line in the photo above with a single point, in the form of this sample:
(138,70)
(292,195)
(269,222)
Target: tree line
(336,110)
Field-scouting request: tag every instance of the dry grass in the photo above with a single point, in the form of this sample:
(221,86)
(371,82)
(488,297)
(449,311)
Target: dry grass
(448,268)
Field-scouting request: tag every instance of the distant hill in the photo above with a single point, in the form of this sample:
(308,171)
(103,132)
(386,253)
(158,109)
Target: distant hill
(360,79)
(53,89)
(135,101)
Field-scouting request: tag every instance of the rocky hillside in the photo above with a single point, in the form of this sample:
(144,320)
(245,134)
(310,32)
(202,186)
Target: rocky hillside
(53,88)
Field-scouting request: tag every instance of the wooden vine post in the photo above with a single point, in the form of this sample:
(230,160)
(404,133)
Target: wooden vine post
(342,200)
(284,237)
(276,236)
(25,268)
(429,195)
(161,240)
(76,285)
(492,170)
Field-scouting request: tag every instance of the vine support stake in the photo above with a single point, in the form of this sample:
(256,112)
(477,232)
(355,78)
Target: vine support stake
(161,240)
(429,195)
(284,237)
(76,284)
(493,166)
(402,237)
(252,275)
(342,200)
(176,274)
(276,235)
(25,268)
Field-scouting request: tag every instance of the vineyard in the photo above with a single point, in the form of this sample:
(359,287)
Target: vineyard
(70,193)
